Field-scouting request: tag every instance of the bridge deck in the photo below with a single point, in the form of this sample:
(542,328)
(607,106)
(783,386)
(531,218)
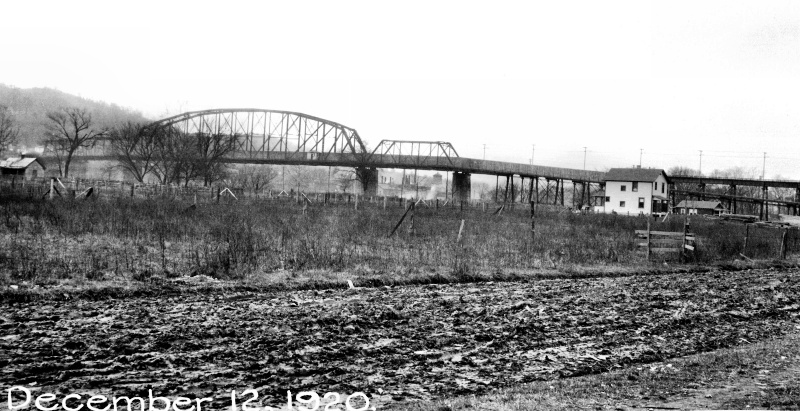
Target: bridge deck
(457,164)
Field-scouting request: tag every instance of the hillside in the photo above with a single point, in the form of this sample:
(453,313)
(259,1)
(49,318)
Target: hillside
(30,106)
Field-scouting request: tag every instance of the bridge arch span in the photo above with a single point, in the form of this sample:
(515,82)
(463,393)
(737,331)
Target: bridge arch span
(260,133)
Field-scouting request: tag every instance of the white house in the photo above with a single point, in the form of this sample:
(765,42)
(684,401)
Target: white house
(636,191)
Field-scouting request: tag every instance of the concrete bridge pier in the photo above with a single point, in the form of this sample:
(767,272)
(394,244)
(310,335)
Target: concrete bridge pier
(462,186)
(368,176)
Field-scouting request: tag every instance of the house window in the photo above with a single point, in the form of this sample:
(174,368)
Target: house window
(641,202)
(662,187)
(608,199)
(622,188)
(635,186)
(655,186)
(622,203)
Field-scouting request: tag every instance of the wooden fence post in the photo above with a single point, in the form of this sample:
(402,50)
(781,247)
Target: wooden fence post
(682,254)
(52,187)
(384,202)
(746,236)
(648,239)
(533,222)
(411,229)
(783,244)
(401,220)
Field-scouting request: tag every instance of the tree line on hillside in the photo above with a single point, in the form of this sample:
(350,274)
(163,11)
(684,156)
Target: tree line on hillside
(29,108)
(9,130)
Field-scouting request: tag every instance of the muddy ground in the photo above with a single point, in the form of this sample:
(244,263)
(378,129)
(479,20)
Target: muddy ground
(394,344)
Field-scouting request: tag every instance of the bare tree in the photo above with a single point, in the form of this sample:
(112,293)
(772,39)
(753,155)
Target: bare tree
(209,151)
(306,178)
(69,130)
(135,147)
(254,178)
(345,178)
(181,158)
(9,132)
(169,158)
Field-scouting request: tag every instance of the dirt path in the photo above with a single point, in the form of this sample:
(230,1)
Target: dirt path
(394,344)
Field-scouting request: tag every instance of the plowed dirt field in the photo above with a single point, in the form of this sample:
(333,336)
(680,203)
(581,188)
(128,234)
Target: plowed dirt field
(392,343)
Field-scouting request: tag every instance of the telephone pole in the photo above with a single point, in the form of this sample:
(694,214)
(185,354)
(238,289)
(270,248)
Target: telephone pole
(533,151)
(641,150)
(484,151)
(764,167)
(701,162)
(584,158)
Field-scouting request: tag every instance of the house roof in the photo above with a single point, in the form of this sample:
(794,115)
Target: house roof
(20,163)
(711,205)
(635,174)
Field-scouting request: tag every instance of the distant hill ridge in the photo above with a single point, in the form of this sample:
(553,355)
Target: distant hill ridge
(30,106)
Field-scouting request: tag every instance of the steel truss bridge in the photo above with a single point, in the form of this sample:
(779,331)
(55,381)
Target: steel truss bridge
(284,137)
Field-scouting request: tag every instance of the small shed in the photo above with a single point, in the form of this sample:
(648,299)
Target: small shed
(699,207)
(26,167)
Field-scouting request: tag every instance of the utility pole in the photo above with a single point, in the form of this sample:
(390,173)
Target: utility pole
(533,151)
(641,150)
(403,184)
(484,151)
(584,158)
(764,167)
(701,162)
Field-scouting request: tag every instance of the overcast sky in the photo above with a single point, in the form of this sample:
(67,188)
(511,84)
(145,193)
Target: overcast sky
(669,77)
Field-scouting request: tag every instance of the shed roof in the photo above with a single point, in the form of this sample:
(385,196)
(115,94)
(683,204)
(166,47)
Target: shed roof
(635,174)
(711,205)
(20,163)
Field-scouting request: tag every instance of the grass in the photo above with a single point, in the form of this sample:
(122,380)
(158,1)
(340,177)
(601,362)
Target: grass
(764,375)
(274,243)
